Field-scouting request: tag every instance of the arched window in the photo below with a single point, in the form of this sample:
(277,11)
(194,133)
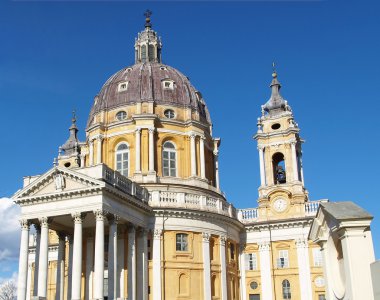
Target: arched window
(143,53)
(279,171)
(169,160)
(151,53)
(181,242)
(122,159)
(286,294)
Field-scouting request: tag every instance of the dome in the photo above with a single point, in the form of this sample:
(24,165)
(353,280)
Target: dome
(146,82)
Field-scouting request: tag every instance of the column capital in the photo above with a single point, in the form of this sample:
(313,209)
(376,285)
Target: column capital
(138,130)
(157,233)
(223,240)
(25,224)
(61,235)
(202,137)
(113,219)
(260,147)
(78,217)
(192,135)
(100,214)
(206,237)
(45,221)
(131,229)
(100,138)
(152,129)
(264,246)
(301,243)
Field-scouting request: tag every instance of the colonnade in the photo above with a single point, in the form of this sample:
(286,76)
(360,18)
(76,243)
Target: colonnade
(151,154)
(94,261)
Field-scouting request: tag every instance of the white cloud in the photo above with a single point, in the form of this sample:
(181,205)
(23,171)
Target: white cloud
(9,230)
(12,278)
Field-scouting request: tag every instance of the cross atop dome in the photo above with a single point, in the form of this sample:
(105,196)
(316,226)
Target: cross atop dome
(147,15)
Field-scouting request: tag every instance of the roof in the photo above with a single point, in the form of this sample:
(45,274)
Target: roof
(345,210)
(145,83)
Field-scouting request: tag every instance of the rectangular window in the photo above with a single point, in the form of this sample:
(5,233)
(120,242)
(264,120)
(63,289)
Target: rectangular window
(181,242)
(317,257)
(283,259)
(254,296)
(251,261)
(232,251)
(321,297)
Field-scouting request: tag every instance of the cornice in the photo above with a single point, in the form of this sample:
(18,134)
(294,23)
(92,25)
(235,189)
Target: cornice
(278,224)
(187,213)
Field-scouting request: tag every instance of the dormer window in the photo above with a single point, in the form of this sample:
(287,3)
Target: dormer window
(168,84)
(123,86)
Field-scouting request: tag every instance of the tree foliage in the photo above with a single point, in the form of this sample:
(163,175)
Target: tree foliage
(8,290)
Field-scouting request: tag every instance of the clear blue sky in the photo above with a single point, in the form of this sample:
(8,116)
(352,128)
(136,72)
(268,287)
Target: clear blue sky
(55,56)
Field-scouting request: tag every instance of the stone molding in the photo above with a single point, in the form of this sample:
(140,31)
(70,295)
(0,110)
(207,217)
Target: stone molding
(301,243)
(44,221)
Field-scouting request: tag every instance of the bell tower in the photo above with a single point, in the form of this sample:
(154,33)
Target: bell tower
(282,193)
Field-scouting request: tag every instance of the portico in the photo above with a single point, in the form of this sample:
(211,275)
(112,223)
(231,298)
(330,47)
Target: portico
(98,226)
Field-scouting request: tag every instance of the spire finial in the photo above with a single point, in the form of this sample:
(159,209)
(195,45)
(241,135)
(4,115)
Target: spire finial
(147,15)
(274,74)
(74,118)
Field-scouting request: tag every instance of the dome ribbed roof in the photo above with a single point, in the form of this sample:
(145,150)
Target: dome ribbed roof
(144,82)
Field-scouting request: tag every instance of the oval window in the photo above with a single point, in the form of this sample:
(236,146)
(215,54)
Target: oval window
(169,113)
(276,126)
(121,115)
(253,285)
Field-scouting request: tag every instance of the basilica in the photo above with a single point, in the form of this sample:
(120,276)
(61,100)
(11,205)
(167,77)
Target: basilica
(136,210)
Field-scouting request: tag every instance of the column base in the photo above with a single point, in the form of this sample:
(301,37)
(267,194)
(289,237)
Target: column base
(137,176)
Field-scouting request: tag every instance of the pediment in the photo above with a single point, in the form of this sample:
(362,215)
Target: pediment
(58,180)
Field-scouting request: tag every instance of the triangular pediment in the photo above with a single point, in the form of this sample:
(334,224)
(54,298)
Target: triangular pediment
(58,180)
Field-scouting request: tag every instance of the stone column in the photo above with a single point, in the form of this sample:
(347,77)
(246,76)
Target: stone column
(243,285)
(77,257)
(304,269)
(157,292)
(70,267)
(151,150)
(216,166)
(43,264)
(193,156)
(265,267)
(262,165)
(223,267)
(112,257)
(120,264)
(132,263)
(29,281)
(142,265)
(91,152)
(202,156)
(59,286)
(89,267)
(99,255)
(99,150)
(82,163)
(37,258)
(138,151)
(294,161)
(23,261)
(206,266)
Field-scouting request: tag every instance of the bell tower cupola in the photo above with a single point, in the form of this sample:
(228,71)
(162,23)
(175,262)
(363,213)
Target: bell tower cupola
(148,44)
(280,152)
